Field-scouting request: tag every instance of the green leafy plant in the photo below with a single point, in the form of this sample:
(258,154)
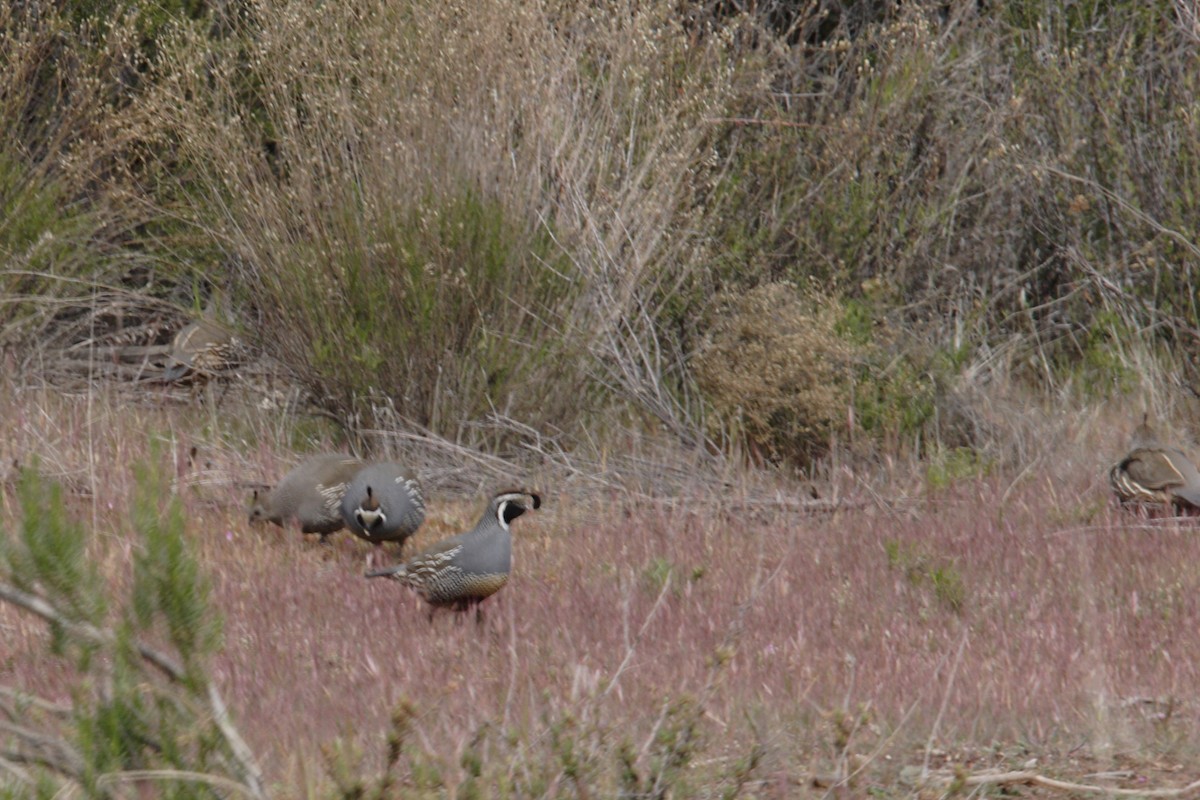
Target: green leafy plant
(141,712)
(940,576)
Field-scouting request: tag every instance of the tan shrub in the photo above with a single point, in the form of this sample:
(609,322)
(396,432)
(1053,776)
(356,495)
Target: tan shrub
(774,369)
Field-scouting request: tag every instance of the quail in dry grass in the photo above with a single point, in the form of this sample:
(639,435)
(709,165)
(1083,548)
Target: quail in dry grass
(1154,473)
(310,494)
(463,570)
(383,503)
(202,350)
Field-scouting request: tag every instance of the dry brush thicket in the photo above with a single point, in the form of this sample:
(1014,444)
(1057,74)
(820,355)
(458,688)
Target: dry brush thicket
(431,214)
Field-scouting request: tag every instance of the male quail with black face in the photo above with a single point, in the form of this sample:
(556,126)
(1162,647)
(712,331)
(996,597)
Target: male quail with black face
(383,503)
(463,570)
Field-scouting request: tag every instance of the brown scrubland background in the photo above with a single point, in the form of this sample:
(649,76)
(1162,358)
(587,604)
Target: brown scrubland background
(818,323)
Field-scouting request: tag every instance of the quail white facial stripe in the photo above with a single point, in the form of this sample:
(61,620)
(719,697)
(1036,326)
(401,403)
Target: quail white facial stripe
(368,518)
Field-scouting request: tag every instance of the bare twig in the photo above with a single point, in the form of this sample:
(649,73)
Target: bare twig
(22,698)
(1034,779)
(1179,238)
(41,748)
(242,754)
(132,776)
(632,647)
(241,751)
(15,770)
(962,644)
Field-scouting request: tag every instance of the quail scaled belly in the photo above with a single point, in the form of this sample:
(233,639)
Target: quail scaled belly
(1154,473)
(463,570)
(311,494)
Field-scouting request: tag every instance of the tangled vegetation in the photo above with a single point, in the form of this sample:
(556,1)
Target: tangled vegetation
(536,212)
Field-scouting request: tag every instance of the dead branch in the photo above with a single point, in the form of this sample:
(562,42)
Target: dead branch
(244,757)
(133,776)
(129,353)
(1034,779)
(107,369)
(17,698)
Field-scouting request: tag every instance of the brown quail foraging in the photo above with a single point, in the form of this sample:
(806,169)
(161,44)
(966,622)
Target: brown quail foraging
(1155,474)
(462,571)
(202,350)
(311,494)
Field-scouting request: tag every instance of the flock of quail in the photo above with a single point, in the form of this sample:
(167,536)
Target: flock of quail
(382,502)
(378,502)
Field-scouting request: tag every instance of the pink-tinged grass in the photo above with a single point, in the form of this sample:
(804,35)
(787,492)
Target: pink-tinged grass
(1064,626)
(987,623)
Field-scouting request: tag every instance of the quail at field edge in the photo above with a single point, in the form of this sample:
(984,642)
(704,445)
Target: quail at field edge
(463,570)
(1154,473)
(383,503)
(202,350)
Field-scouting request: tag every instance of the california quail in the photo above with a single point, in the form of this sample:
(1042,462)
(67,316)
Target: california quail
(465,569)
(383,503)
(1155,473)
(202,350)
(311,494)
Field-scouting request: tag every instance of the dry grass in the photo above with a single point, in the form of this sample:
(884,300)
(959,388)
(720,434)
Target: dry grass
(988,623)
(437,207)
(524,209)
(491,227)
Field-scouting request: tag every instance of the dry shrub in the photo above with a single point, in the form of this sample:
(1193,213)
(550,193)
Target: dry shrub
(965,158)
(444,209)
(83,233)
(775,368)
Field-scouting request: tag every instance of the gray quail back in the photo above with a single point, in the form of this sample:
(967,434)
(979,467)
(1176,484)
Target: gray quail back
(383,503)
(463,570)
(311,494)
